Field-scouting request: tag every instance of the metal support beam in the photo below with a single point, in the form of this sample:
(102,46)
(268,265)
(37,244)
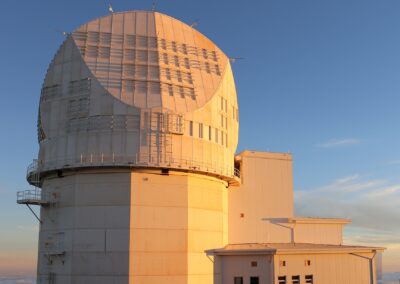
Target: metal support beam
(33,212)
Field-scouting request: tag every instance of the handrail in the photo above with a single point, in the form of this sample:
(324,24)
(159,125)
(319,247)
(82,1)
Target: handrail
(32,195)
(101,159)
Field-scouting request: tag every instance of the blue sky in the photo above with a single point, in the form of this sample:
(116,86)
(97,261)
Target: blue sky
(319,78)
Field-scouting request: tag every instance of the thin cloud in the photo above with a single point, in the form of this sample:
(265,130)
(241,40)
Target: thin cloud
(385,192)
(370,203)
(336,143)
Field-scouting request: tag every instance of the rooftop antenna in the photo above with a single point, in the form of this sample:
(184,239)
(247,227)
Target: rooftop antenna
(233,59)
(110,9)
(194,24)
(153,7)
(64,33)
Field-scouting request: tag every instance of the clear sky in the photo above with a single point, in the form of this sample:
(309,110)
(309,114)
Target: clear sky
(319,78)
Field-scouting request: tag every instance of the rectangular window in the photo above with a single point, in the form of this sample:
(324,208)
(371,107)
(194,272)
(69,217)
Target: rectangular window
(216,135)
(165,58)
(189,78)
(176,59)
(237,280)
(187,64)
(281,279)
(191,128)
(209,133)
(170,90)
(222,103)
(214,56)
(226,140)
(163,44)
(200,130)
(168,74)
(184,48)
(217,70)
(179,76)
(226,123)
(296,279)
(309,279)
(254,280)
(307,262)
(204,53)
(208,70)
(222,138)
(222,121)
(174,46)
(192,94)
(254,264)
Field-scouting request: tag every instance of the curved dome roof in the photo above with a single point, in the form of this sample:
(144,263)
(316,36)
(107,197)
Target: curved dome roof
(151,60)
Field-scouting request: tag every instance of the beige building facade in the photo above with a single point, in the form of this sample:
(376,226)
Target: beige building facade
(137,178)
(268,244)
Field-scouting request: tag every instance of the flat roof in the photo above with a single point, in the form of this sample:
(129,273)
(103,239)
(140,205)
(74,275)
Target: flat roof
(289,248)
(318,220)
(265,155)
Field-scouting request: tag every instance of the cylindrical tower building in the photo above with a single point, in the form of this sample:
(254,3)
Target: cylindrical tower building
(138,126)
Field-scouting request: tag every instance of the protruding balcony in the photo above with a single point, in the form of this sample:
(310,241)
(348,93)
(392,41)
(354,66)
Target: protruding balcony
(32,197)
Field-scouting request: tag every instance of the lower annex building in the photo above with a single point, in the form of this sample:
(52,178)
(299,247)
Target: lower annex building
(137,178)
(268,244)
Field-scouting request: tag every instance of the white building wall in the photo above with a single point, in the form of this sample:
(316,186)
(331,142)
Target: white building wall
(241,266)
(88,220)
(329,268)
(266,193)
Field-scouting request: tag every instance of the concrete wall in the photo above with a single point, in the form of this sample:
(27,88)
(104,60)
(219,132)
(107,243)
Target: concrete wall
(266,193)
(318,233)
(90,222)
(118,226)
(174,219)
(329,268)
(332,268)
(241,266)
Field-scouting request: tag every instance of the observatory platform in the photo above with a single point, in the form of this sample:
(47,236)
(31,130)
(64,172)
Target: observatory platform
(137,178)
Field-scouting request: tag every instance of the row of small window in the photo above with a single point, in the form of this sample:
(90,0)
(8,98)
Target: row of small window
(187,49)
(177,75)
(77,87)
(106,38)
(182,91)
(309,279)
(224,107)
(137,71)
(103,38)
(140,87)
(146,56)
(306,262)
(187,63)
(239,280)
(203,130)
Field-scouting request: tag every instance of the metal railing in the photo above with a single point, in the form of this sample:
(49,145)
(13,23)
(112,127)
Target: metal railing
(145,160)
(33,173)
(31,196)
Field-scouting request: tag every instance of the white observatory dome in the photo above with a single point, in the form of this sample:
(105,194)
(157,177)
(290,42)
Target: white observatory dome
(139,89)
